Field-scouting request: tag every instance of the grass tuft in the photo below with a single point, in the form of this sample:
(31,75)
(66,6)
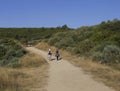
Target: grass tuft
(10,79)
(32,60)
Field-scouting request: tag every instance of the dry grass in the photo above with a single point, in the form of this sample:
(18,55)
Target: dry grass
(45,46)
(36,67)
(32,60)
(10,79)
(102,73)
(37,79)
(31,76)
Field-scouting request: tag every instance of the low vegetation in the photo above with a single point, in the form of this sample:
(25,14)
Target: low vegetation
(32,60)
(100,42)
(10,52)
(10,79)
(24,77)
(31,35)
(14,59)
(36,68)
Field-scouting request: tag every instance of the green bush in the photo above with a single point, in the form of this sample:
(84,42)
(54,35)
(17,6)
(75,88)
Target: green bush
(14,62)
(99,57)
(64,42)
(85,46)
(2,51)
(100,47)
(110,54)
(10,53)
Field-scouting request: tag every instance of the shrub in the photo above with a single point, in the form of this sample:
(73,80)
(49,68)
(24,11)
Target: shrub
(10,53)
(63,43)
(97,56)
(14,62)
(110,54)
(84,47)
(2,51)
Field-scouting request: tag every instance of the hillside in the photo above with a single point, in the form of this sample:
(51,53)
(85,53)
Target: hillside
(100,42)
(31,35)
(12,40)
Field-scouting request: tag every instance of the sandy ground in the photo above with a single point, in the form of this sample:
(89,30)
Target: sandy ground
(63,76)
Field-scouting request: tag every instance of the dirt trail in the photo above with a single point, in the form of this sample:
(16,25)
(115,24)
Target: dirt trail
(63,76)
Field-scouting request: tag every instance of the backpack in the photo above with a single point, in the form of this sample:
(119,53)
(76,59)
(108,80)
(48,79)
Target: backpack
(57,53)
(49,53)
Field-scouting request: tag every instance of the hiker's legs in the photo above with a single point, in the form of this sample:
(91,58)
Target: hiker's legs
(57,57)
(50,57)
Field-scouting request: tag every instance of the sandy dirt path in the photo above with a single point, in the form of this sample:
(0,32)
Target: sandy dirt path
(63,76)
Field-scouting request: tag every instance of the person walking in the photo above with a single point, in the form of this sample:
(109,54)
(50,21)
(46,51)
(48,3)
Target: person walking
(57,54)
(50,54)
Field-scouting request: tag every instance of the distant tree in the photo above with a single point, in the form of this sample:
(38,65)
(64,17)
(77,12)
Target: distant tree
(65,26)
(115,20)
(108,21)
(103,22)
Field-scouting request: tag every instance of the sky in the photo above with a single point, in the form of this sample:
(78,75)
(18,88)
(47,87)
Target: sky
(53,13)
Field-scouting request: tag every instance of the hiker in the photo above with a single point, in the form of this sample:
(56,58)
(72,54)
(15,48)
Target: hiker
(57,54)
(50,54)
